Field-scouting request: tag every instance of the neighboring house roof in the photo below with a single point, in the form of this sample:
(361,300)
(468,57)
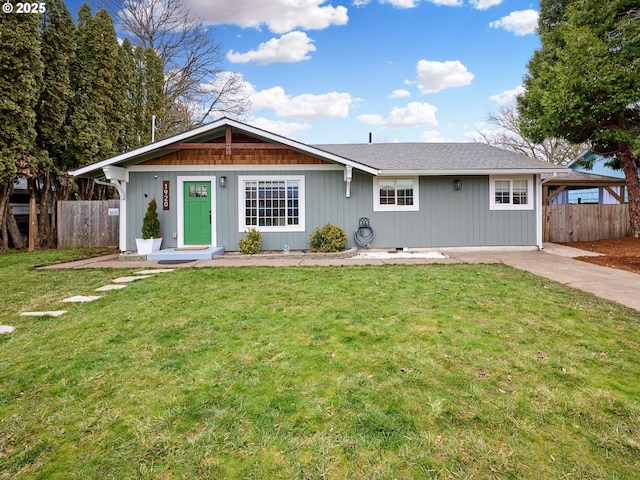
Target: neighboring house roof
(582,179)
(599,165)
(440,158)
(376,159)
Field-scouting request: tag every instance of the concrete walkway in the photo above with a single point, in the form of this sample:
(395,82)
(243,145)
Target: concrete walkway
(555,262)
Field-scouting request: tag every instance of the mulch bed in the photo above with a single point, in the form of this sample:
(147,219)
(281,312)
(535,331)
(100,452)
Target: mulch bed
(621,253)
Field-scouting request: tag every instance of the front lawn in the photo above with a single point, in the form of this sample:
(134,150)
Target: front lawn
(431,371)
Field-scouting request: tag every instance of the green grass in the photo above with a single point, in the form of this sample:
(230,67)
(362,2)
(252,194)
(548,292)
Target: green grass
(434,371)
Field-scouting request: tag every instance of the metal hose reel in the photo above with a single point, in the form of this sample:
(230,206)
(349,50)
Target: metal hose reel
(363,235)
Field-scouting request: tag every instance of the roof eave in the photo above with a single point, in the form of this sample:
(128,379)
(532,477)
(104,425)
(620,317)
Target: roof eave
(468,172)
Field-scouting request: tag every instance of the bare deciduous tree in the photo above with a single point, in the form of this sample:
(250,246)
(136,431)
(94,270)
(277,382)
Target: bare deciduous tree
(191,57)
(508,136)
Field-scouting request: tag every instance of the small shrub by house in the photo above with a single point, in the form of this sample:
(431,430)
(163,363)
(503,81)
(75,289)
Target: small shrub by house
(328,239)
(250,244)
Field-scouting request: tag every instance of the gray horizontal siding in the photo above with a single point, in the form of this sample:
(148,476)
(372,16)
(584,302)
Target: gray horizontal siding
(446,217)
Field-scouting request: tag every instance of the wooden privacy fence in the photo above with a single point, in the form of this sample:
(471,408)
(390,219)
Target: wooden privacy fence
(584,222)
(88,223)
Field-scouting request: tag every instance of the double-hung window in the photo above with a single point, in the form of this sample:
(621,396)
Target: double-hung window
(395,194)
(511,193)
(271,203)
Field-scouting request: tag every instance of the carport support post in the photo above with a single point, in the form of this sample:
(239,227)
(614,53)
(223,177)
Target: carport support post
(539,211)
(119,177)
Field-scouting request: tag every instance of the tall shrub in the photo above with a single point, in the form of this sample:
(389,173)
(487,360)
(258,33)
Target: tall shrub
(150,223)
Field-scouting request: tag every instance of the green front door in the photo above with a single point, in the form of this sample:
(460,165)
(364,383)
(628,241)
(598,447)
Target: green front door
(197,213)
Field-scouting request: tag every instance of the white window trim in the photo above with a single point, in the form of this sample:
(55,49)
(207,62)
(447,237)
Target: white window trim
(267,178)
(510,206)
(396,208)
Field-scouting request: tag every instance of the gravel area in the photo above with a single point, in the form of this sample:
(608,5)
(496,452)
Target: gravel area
(400,254)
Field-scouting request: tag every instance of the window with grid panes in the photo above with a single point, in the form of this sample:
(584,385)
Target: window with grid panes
(272,204)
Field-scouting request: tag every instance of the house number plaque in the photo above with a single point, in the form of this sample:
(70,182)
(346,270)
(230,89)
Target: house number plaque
(165,195)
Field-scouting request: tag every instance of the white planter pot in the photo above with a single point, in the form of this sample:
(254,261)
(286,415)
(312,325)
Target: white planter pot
(146,246)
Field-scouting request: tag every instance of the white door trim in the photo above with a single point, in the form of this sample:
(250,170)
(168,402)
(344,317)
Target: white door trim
(180,205)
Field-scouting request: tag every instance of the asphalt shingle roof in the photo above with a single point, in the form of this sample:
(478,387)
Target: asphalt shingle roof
(436,157)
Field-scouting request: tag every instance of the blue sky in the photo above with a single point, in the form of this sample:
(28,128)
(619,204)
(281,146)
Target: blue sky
(404,70)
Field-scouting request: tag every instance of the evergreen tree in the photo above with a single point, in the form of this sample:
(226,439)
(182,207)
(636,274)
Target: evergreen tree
(21,67)
(123,115)
(141,127)
(105,57)
(583,83)
(91,131)
(57,50)
(82,139)
(154,88)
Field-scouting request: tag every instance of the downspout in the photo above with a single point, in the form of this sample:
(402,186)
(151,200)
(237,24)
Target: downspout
(540,211)
(348,176)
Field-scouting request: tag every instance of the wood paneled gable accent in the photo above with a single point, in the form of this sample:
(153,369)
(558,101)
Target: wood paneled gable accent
(238,157)
(234,148)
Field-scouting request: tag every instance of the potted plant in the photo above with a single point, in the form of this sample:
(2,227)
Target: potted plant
(151,237)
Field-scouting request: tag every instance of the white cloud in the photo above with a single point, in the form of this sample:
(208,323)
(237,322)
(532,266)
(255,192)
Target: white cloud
(448,3)
(371,119)
(432,136)
(401,3)
(286,129)
(521,23)
(307,106)
(400,93)
(291,47)
(508,97)
(280,16)
(484,4)
(436,76)
(414,114)
(414,3)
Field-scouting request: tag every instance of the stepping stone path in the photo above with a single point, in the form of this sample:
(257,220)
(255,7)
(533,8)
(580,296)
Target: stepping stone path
(129,279)
(81,298)
(54,313)
(157,270)
(106,288)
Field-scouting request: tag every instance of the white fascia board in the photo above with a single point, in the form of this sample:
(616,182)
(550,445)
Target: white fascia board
(232,168)
(436,173)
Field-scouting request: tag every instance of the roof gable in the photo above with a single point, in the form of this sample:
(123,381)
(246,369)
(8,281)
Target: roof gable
(222,135)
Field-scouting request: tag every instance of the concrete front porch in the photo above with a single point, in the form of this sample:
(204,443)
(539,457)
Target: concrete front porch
(175,254)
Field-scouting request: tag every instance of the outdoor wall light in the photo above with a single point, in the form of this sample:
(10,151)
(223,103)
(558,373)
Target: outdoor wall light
(457,184)
(223,181)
